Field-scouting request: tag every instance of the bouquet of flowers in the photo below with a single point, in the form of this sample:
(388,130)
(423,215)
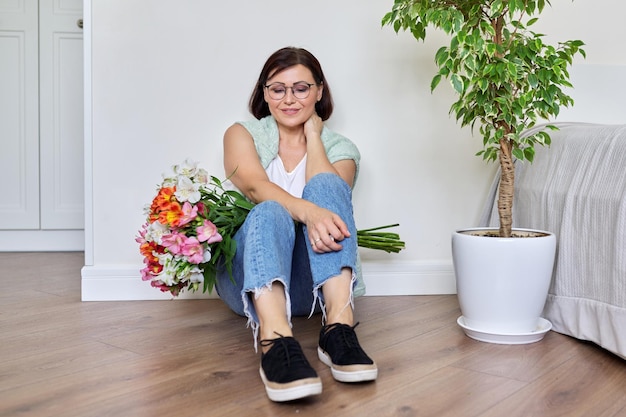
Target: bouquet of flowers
(189,228)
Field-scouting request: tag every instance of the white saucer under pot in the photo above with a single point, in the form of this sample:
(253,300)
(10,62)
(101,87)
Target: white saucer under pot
(543,327)
(502,283)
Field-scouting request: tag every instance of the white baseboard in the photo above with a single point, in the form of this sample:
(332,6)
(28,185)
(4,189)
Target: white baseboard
(111,283)
(409,278)
(42,241)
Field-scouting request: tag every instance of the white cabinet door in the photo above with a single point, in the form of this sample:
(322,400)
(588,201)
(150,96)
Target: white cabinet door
(61,114)
(19,115)
(41,116)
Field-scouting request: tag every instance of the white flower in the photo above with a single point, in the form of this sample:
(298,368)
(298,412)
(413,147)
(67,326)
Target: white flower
(187,168)
(168,277)
(156,231)
(187,190)
(187,273)
(165,259)
(202,176)
(196,275)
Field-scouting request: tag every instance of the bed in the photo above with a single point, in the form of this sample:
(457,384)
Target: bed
(577,190)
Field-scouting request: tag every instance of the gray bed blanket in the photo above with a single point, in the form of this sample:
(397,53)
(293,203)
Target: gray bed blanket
(577,190)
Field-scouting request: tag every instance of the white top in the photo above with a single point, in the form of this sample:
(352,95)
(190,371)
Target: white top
(293,182)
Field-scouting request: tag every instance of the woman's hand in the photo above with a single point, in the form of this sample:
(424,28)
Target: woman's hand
(325,230)
(313,127)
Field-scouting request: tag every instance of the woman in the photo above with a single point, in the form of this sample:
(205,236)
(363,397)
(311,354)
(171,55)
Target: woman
(297,249)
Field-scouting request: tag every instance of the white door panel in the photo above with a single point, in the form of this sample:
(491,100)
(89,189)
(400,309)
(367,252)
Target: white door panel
(61,114)
(19,112)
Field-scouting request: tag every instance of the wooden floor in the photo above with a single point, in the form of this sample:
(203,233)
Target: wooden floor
(63,357)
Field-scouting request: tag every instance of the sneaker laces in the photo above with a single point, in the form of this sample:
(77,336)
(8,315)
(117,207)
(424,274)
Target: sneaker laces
(291,352)
(346,333)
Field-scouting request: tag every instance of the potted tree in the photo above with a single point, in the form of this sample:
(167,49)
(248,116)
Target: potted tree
(507,79)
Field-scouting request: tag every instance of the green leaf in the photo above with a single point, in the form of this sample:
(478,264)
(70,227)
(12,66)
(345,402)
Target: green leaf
(441,56)
(518,153)
(529,153)
(435,82)
(457,83)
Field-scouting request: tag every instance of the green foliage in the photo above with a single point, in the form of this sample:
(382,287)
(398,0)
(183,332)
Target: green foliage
(507,78)
(227,209)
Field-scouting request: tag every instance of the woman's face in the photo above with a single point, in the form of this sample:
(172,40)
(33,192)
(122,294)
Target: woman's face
(292,110)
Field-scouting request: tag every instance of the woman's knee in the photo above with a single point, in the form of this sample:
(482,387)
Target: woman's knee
(327,179)
(326,182)
(269,216)
(328,188)
(270,209)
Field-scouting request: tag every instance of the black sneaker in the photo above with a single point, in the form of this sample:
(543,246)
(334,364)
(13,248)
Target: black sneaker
(339,348)
(286,372)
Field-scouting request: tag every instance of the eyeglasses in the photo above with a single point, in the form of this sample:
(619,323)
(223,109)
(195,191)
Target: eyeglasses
(300,90)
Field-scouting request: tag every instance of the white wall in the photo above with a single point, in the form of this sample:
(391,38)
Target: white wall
(165,78)
(599,87)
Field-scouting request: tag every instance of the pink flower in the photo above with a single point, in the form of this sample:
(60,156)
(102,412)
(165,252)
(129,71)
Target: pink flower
(208,233)
(174,242)
(189,214)
(141,239)
(193,250)
(146,274)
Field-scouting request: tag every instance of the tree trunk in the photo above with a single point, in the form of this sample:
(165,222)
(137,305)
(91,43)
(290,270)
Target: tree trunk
(505,193)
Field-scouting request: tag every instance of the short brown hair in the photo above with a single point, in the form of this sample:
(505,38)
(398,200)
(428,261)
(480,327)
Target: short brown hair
(281,60)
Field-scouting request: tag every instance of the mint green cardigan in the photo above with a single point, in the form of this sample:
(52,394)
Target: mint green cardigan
(265,135)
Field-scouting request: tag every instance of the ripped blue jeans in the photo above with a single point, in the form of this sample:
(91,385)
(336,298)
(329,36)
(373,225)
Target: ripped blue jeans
(272,247)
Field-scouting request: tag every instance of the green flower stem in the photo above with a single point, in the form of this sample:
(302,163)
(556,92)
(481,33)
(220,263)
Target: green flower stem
(378,228)
(386,241)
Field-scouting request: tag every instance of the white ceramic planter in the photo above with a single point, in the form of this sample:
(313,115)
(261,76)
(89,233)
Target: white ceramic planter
(502,284)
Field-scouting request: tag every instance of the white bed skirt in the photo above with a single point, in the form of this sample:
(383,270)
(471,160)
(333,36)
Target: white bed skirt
(577,190)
